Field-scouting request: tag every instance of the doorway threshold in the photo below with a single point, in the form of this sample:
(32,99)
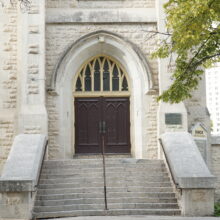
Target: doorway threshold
(95,156)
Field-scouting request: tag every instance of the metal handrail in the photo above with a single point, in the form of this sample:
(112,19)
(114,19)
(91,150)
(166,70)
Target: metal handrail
(45,150)
(168,164)
(104,171)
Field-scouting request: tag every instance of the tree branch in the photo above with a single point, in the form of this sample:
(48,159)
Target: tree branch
(157,32)
(197,53)
(206,58)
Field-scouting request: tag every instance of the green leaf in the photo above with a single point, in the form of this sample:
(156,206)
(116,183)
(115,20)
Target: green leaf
(195,39)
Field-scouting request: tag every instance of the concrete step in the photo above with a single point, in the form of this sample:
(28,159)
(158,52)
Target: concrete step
(108,169)
(101,201)
(111,206)
(115,212)
(100,184)
(110,195)
(100,189)
(100,165)
(76,179)
(109,161)
(122,175)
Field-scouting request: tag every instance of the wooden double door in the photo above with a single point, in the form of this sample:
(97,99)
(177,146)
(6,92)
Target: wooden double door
(102,118)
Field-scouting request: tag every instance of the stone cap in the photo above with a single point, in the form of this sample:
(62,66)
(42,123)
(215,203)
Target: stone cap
(188,168)
(16,185)
(215,140)
(22,168)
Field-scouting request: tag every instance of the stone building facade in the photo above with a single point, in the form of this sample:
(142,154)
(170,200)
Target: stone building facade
(42,51)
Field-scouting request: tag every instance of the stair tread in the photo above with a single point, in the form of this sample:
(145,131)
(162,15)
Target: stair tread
(119,209)
(101,201)
(112,187)
(108,212)
(109,184)
(142,203)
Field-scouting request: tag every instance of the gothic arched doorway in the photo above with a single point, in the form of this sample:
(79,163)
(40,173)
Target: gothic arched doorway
(139,79)
(101,92)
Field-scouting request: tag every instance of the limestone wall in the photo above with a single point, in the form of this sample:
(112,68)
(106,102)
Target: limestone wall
(60,37)
(215,165)
(151,132)
(100,4)
(196,107)
(8,78)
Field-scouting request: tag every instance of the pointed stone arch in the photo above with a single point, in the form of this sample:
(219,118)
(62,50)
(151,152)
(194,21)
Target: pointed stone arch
(102,40)
(136,67)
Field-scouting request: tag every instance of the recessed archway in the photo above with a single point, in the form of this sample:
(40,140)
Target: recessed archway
(138,71)
(101,90)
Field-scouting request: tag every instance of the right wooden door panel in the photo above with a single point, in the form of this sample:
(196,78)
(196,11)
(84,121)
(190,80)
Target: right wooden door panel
(116,115)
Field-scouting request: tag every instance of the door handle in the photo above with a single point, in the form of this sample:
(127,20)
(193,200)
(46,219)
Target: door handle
(102,127)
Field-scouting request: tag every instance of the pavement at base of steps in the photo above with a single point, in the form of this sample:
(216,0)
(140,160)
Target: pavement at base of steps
(142,217)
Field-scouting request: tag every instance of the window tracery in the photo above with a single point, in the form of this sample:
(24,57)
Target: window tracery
(101,74)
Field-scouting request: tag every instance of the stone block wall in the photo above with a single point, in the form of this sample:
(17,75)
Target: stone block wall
(215,163)
(60,36)
(8,79)
(151,149)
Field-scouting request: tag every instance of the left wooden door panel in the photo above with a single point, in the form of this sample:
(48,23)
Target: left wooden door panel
(88,116)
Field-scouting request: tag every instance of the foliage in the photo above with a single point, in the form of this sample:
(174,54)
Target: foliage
(194,28)
(217,209)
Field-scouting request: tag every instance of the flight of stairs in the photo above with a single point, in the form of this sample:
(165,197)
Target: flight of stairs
(75,188)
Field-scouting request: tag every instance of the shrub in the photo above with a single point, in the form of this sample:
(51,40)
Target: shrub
(217,209)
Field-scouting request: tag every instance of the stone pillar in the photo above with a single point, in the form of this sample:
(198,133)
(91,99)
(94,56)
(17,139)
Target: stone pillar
(32,116)
(171,117)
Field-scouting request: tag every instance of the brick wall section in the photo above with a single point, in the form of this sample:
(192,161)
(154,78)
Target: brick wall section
(59,37)
(215,164)
(100,4)
(8,79)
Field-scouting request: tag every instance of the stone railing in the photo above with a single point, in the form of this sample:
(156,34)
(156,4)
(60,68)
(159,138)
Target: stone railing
(20,176)
(190,174)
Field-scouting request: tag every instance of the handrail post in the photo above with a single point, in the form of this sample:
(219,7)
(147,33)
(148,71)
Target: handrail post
(104,171)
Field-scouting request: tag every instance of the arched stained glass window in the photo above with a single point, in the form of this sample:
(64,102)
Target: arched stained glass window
(101,74)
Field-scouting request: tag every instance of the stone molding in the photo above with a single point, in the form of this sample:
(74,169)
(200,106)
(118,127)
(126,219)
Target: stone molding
(125,15)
